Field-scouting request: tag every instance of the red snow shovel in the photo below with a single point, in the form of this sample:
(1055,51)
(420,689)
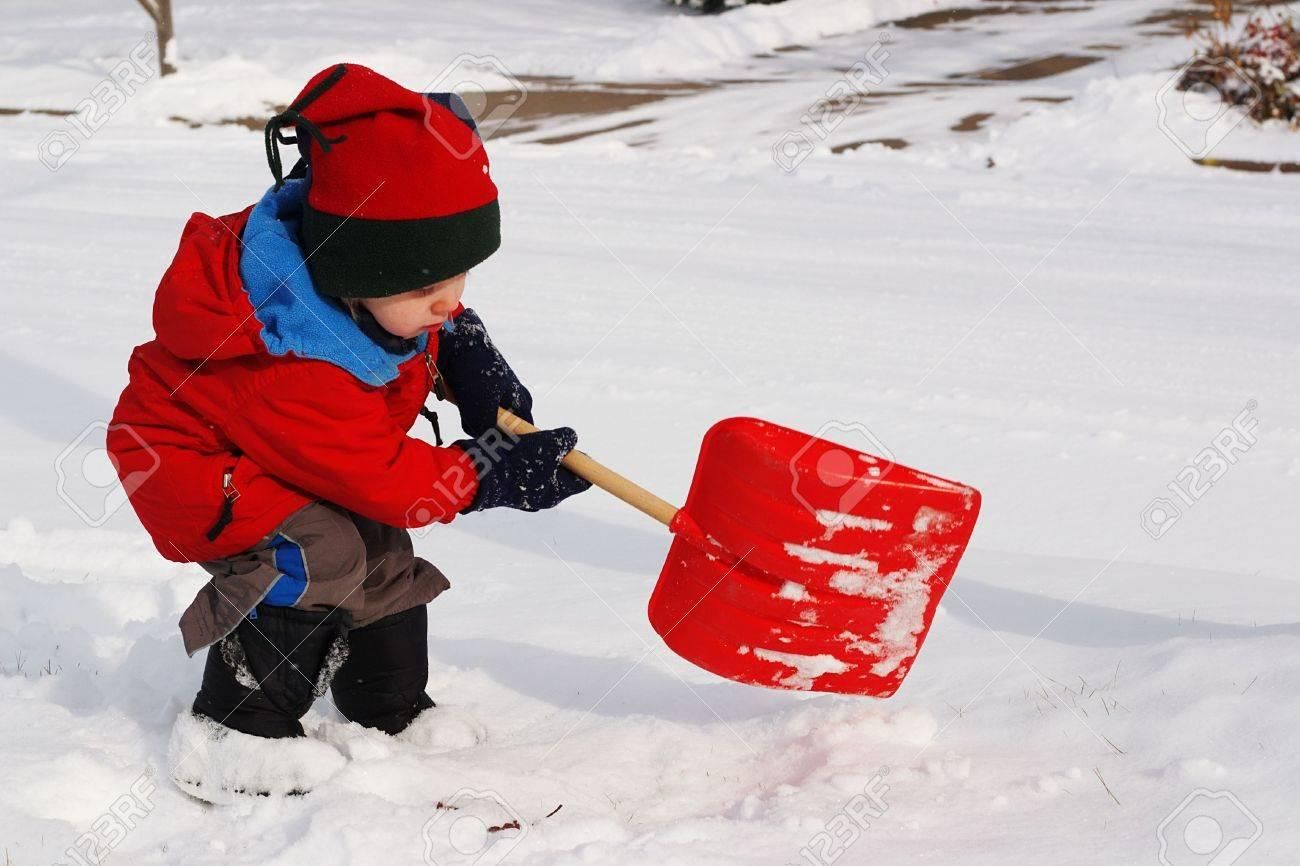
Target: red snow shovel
(798,563)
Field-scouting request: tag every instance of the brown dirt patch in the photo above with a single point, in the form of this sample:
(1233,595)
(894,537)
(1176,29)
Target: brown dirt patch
(891,143)
(1032,70)
(971,122)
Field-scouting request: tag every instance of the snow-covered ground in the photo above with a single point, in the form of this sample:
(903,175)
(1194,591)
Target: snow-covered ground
(1058,308)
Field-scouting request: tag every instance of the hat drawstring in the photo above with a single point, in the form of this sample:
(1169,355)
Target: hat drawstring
(292,116)
(274,135)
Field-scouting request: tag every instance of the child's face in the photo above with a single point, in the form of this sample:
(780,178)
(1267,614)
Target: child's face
(411,313)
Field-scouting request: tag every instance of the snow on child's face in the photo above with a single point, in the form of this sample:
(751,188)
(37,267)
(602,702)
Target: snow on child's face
(411,313)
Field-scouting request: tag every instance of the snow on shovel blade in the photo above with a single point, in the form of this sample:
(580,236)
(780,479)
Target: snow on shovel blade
(801,564)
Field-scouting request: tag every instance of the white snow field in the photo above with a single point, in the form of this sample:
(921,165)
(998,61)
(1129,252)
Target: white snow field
(1057,307)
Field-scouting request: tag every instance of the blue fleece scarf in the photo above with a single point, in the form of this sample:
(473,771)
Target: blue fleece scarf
(295,317)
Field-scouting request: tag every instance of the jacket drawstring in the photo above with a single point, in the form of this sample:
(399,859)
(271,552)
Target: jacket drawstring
(433,419)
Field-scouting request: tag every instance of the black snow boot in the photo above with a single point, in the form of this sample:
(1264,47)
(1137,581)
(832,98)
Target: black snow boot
(381,685)
(263,677)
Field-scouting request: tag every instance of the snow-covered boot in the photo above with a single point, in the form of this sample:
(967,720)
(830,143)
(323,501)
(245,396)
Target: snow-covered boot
(244,735)
(221,765)
(381,685)
(443,729)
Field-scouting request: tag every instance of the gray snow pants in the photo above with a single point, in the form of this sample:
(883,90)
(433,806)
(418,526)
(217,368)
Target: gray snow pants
(322,557)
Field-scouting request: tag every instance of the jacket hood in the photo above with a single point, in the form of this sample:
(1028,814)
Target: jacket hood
(240,285)
(201,308)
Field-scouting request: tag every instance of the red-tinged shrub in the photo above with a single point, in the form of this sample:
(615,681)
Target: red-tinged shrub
(1257,68)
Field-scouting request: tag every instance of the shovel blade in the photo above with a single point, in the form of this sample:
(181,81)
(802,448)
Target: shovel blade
(801,564)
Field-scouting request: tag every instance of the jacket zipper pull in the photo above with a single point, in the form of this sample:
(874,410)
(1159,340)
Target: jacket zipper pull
(230,493)
(435,378)
(435,385)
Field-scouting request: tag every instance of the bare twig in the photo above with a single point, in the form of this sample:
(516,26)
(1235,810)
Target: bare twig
(1097,772)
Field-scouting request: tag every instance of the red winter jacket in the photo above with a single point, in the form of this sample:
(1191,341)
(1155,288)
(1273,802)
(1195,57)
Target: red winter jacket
(214,421)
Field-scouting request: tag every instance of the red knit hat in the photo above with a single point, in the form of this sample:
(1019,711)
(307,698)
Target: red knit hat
(399,192)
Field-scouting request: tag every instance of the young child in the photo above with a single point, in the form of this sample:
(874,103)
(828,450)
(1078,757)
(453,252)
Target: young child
(263,433)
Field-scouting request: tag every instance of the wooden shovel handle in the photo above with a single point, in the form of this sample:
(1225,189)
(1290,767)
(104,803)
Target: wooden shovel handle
(598,474)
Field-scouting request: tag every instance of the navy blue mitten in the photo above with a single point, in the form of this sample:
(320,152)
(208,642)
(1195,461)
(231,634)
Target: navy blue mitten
(479,377)
(522,472)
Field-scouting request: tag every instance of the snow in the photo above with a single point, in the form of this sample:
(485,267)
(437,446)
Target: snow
(1065,330)
(908,593)
(806,668)
(793,591)
(234,64)
(929,519)
(905,592)
(216,763)
(820,556)
(836,520)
